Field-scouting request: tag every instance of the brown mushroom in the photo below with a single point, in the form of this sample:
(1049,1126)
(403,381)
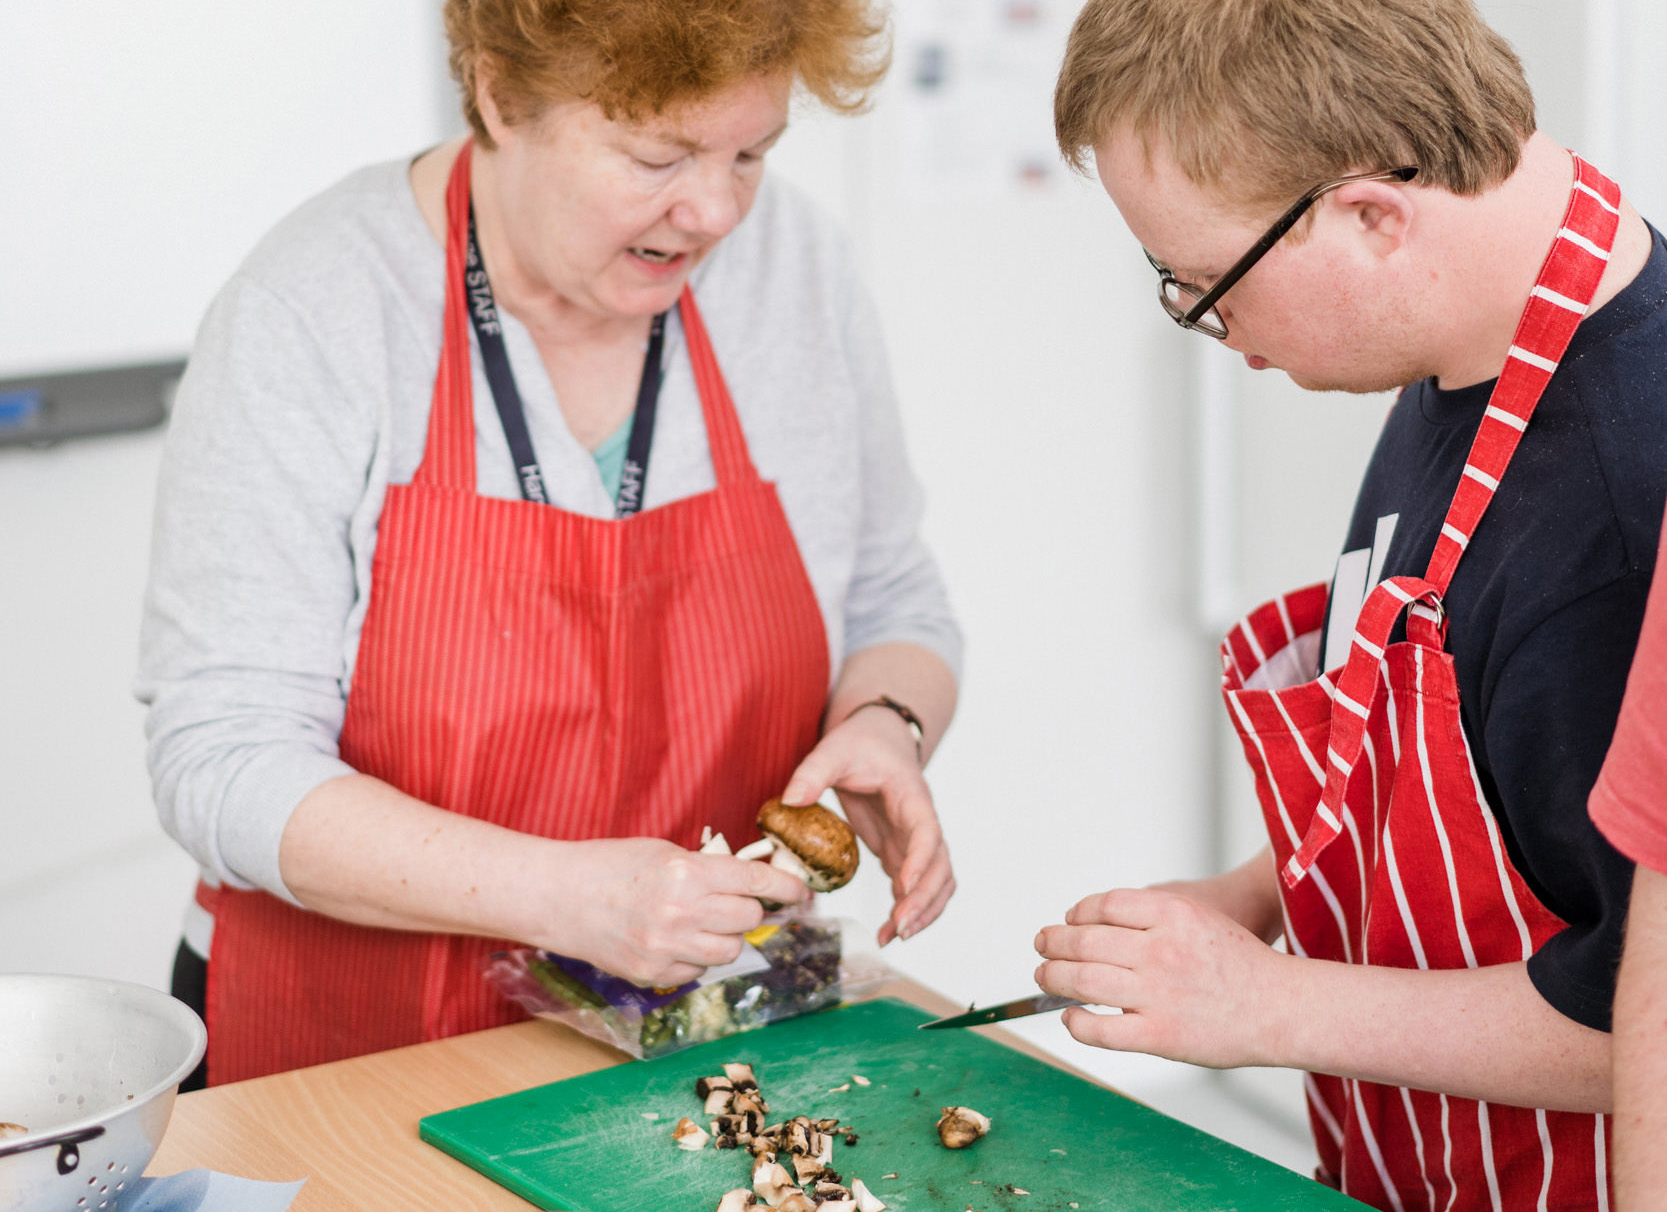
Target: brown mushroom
(819,839)
(867,1201)
(961,1126)
(737,1200)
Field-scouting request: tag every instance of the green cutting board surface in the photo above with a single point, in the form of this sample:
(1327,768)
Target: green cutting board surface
(602,1142)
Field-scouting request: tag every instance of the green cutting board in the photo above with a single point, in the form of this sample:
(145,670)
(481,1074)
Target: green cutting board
(602,1142)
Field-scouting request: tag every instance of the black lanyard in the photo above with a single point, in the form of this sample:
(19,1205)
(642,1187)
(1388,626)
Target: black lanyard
(489,332)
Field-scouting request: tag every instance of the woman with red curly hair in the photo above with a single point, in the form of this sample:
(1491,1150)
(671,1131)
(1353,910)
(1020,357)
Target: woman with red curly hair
(528,508)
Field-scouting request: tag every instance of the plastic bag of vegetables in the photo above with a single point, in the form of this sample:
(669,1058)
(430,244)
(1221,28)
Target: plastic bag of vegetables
(792,964)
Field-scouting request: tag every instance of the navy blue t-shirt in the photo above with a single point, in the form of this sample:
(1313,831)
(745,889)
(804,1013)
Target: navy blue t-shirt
(1545,607)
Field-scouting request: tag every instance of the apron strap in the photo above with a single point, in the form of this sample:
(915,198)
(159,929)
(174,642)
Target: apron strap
(1568,280)
(731,461)
(449,456)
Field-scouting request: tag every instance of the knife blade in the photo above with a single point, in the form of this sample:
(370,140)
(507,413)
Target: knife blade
(1039,1003)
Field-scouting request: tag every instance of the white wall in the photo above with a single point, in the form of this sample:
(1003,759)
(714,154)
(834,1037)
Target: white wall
(147,148)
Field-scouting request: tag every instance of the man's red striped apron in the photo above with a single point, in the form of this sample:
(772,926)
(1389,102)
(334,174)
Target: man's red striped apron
(556,674)
(1388,852)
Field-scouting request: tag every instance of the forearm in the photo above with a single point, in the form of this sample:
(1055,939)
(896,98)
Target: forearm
(1641,1050)
(360,850)
(1482,1033)
(913,675)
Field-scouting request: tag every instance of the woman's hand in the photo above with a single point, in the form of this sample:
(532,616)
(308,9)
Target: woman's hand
(657,914)
(871,761)
(1192,983)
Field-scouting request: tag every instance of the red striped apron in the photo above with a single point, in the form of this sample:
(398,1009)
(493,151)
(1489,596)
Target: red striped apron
(1388,852)
(556,674)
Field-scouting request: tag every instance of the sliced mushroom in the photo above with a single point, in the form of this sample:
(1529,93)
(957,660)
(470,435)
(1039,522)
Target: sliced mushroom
(961,1126)
(741,1123)
(771,1182)
(806,1168)
(867,1201)
(820,840)
(704,1086)
(763,848)
(737,1200)
(712,843)
(741,1077)
(796,1201)
(750,1100)
(689,1135)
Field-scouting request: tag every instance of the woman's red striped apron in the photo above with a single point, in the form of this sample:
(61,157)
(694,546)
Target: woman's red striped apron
(556,674)
(1388,852)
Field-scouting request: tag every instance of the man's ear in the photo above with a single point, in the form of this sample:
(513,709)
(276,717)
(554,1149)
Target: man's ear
(1381,212)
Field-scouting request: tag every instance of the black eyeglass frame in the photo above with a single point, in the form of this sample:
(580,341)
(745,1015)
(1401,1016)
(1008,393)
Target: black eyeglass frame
(1202,314)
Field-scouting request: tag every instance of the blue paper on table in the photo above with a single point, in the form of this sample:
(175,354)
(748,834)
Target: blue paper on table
(206,1191)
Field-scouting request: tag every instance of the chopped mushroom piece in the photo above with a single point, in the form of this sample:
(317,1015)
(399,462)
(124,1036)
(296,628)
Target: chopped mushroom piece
(806,1168)
(961,1126)
(867,1201)
(712,843)
(840,1089)
(705,1086)
(737,1200)
(771,1181)
(861,1080)
(740,1076)
(688,1135)
(796,1201)
(763,848)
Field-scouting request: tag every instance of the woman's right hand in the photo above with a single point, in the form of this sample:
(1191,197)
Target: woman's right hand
(654,913)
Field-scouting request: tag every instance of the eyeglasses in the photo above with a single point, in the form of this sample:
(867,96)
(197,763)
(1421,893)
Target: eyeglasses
(1194,308)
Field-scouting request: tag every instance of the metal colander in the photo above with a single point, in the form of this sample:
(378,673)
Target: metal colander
(90,1068)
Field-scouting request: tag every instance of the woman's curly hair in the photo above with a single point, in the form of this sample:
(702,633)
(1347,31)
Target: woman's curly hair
(636,58)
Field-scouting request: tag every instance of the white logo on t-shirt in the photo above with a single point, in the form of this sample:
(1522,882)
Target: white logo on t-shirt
(1358,573)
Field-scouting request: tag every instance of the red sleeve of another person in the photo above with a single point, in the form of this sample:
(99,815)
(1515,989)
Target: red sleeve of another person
(1629,803)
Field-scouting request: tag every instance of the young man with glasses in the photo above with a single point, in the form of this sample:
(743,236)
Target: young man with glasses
(1354,192)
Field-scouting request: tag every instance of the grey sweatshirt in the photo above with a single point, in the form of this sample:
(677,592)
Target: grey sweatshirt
(308,394)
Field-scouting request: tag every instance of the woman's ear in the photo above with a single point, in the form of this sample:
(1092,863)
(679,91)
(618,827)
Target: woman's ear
(490,115)
(1380,212)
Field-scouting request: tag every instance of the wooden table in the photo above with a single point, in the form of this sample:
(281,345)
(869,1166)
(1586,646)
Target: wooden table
(350,1128)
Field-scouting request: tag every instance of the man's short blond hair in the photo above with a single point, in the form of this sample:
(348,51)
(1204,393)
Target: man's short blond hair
(1264,99)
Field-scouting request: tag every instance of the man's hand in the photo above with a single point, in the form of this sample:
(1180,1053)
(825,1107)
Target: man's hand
(1192,983)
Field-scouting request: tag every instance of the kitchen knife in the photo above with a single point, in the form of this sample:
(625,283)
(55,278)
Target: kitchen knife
(1040,1003)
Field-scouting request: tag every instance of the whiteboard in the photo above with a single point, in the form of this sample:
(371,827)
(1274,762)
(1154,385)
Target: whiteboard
(147,147)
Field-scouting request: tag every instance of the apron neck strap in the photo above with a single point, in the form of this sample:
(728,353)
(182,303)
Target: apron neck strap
(1568,280)
(731,462)
(1567,283)
(449,457)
